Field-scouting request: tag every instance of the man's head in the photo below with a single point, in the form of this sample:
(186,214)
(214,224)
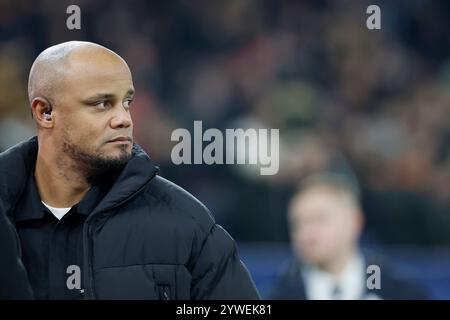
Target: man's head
(325,220)
(80,94)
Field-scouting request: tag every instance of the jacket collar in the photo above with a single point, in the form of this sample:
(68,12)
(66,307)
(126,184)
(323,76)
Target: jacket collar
(134,177)
(17,163)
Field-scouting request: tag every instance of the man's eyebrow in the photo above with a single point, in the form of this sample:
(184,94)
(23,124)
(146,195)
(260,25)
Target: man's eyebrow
(108,96)
(101,96)
(130,92)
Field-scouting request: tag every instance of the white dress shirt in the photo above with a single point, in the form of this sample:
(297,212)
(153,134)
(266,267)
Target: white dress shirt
(350,284)
(57,212)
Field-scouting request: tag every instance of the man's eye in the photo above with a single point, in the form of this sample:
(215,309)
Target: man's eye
(105,104)
(127,103)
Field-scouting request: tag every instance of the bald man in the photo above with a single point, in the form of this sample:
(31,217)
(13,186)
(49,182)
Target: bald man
(94,219)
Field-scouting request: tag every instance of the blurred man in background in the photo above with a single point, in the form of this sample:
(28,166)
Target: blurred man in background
(325,222)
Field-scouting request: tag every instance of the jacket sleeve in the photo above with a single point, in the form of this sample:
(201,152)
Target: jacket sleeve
(218,273)
(13,277)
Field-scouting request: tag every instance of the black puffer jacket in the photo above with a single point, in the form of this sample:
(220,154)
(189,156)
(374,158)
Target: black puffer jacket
(147,238)
(13,278)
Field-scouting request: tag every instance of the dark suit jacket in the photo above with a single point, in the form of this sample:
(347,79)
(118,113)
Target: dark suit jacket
(290,286)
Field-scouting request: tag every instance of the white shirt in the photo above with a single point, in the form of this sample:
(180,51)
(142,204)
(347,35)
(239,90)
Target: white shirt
(57,212)
(321,285)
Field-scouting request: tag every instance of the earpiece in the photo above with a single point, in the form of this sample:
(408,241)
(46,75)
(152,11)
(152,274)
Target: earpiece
(47,115)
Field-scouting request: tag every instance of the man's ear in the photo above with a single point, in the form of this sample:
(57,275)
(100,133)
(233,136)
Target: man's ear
(41,110)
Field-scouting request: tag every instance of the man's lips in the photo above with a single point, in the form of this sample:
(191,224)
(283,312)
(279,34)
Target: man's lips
(121,140)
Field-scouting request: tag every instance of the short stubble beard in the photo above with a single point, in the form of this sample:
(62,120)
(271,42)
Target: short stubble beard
(96,168)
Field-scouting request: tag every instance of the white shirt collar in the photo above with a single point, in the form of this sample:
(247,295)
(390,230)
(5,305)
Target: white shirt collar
(57,212)
(319,285)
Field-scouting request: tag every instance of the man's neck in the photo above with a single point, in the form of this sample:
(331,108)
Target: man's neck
(338,265)
(60,185)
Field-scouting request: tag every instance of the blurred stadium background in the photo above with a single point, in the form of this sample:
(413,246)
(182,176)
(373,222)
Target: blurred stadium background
(373,105)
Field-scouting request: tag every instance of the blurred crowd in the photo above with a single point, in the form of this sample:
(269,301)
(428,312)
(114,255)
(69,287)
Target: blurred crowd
(373,105)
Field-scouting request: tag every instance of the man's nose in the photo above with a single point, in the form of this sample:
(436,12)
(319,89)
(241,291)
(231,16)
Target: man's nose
(121,118)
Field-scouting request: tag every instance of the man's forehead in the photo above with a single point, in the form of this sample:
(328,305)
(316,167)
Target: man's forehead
(85,58)
(98,62)
(316,197)
(97,75)
(112,89)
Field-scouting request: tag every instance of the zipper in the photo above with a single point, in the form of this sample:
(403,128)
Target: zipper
(16,234)
(88,244)
(88,278)
(163,292)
